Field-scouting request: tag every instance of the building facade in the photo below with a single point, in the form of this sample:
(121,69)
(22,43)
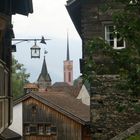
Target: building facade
(7,9)
(92,22)
(52,115)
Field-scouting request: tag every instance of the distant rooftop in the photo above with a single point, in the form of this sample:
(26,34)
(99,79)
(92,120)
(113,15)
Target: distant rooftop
(31,86)
(62,86)
(58,84)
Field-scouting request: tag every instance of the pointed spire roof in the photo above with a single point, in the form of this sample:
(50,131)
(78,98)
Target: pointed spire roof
(68,55)
(44,72)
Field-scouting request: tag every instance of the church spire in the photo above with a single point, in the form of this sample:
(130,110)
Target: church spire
(44,79)
(68,55)
(68,66)
(44,70)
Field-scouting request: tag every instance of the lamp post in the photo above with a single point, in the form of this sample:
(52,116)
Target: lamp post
(35,50)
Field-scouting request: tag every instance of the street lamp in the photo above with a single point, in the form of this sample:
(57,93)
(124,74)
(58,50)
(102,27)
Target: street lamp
(35,50)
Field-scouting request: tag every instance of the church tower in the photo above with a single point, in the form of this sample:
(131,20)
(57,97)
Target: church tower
(44,79)
(68,66)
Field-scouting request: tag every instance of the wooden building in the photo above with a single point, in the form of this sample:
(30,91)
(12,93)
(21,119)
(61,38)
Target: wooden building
(54,115)
(7,9)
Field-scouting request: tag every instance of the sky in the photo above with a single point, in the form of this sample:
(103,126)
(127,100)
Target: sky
(51,20)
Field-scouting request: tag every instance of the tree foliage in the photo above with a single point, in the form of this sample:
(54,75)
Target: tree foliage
(19,78)
(127,22)
(126,61)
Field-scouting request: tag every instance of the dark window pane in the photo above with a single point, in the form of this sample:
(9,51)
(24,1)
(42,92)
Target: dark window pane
(53,130)
(33,129)
(26,129)
(119,41)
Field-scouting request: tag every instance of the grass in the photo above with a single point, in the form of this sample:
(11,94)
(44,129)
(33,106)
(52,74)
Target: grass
(136,137)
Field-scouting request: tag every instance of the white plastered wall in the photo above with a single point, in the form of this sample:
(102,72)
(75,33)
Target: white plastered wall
(17,119)
(84,96)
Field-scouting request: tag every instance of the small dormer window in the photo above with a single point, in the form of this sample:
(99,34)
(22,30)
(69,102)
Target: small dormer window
(113,38)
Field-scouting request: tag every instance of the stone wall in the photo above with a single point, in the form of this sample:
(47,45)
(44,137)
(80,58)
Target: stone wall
(112,110)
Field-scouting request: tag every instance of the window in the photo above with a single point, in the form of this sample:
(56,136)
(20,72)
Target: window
(133,2)
(69,76)
(113,38)
(27,129)
(53,130)
(33,129)
(40,129)
(48,130)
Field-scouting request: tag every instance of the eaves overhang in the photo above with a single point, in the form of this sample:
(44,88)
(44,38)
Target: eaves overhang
(10,7)
(74,9)
(54,106)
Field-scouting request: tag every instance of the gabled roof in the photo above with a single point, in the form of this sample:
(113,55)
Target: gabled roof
(44,72)
(63,103)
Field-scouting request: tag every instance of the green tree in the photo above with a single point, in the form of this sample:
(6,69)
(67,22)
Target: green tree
(127,24)
(19,78)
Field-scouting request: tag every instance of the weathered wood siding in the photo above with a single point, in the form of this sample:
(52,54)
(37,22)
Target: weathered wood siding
(40,138)
(67,129)
(5,61)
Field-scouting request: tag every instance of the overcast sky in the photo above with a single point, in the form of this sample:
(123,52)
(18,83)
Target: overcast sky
(50,19)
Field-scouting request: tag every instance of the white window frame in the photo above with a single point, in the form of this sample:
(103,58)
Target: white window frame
(114,38)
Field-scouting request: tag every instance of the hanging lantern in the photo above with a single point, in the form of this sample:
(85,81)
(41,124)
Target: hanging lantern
(35,51)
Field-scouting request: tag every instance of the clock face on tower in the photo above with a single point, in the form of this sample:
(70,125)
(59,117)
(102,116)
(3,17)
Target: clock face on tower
(69,67)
